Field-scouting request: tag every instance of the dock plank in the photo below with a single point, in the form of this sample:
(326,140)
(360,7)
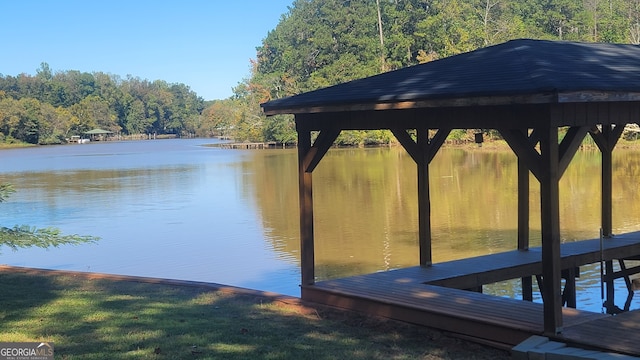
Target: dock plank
(619,333)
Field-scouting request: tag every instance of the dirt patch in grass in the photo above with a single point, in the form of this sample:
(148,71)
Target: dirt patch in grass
(90,316)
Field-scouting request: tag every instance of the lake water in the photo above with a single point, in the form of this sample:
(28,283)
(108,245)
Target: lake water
(179,209)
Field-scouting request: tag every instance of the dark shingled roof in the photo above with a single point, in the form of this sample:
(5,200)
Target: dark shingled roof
(515,68)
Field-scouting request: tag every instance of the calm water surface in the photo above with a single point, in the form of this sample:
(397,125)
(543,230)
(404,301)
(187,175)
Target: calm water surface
(178,209)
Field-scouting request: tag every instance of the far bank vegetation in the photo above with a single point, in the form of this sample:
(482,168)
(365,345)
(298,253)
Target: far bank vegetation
(317,43)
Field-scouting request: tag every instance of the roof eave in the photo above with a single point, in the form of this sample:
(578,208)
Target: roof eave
(541,98)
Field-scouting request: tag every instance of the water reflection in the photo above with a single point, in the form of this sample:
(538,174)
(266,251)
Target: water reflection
(365,208)
(178,209)
(172,209)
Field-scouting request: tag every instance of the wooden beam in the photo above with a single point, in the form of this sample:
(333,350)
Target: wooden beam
(549,177)
(534,138)
(491,117)
(415,151)
(407,143)
(598,138)
(615,134)
(480,116)
(438,139)
(319,149)
(609,140)
(524,146)
(305,188)
(545,98)
(598,96)
(570,144)
(582,97)
(524,149)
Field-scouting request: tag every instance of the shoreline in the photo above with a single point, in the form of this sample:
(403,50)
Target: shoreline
(115,316)
(225,289)
(487,145)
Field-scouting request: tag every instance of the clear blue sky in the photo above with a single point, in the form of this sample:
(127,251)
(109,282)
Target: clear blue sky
(205,44)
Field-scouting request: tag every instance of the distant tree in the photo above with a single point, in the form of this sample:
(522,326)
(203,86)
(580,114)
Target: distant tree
(218,119)
(281,129)
(136,120)
(53,125)
(44,72)
(633,21)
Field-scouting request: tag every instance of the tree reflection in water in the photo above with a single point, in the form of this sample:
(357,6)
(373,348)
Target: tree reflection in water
(24,236)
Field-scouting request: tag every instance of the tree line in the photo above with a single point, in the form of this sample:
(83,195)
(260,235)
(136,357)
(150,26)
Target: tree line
(317,43)
(48,108)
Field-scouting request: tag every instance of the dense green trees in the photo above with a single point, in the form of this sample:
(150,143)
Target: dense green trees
(324,42)
(317,43)
(49,107)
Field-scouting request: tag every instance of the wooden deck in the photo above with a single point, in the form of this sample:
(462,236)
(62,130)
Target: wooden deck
(433,296)
(502,321)
(619,333)
(487,269)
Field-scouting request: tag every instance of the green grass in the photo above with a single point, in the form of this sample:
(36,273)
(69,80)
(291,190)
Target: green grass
(105,319)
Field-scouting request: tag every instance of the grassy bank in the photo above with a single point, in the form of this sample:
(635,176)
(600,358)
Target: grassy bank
(4,145)
(114,319)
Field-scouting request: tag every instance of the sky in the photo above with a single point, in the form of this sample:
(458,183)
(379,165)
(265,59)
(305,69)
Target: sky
(204,44)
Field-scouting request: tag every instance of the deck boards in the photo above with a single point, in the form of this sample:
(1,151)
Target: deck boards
(487,269)
(416,294)
(619,333)
(492,318)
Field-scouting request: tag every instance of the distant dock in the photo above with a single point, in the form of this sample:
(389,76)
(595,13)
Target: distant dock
(252,145)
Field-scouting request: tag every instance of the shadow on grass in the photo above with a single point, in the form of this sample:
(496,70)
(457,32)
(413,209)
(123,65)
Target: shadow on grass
(98,319)
(19,294)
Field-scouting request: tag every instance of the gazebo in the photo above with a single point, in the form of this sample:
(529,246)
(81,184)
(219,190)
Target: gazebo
(527,90)
(95,134)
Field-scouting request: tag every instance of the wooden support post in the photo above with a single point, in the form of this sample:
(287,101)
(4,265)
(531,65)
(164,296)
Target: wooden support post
(606,141)
(424,201)
(527,288)
(422,152)
(550,221)
(607,183)
(523,222)
(609,303)
(569,293)
(307,256)
(548,167)
(523,206)
(522,145)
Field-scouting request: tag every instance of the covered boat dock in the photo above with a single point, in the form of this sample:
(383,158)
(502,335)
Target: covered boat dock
(530,91)
(98,134)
